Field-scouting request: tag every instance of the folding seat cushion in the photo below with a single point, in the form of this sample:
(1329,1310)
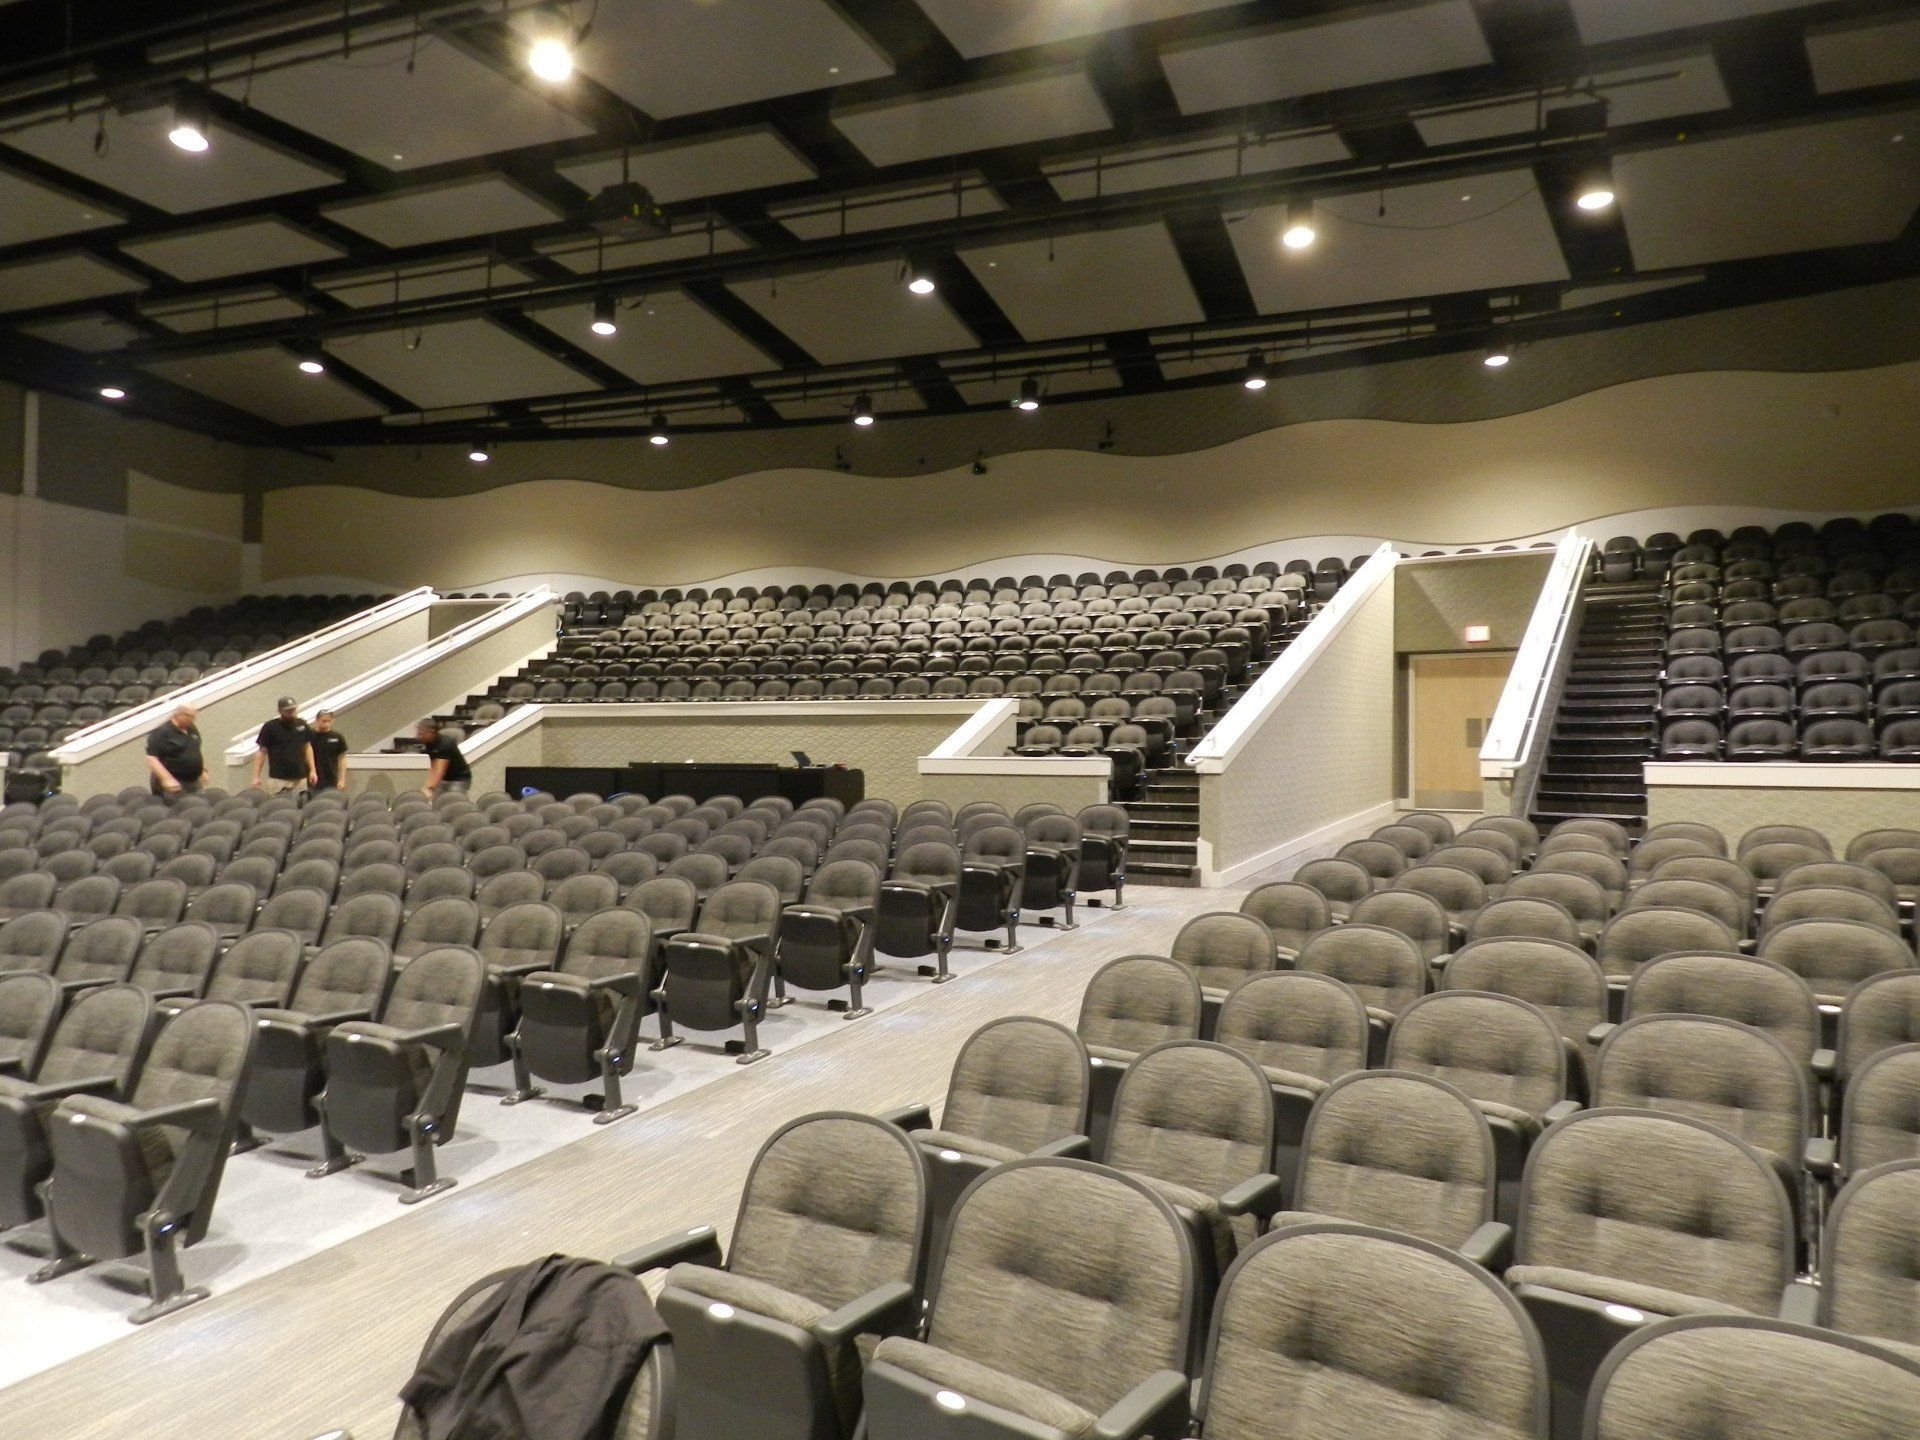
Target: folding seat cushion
(1663,1214)
(1405,1152)
(1292,913)
(1326,1323)
(1872,1255)
(1835,955)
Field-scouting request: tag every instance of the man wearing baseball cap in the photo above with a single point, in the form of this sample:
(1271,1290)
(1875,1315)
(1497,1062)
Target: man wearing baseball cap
(285,750)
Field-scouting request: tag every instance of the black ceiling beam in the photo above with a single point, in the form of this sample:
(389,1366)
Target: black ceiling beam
(368,388)
(966,296)
(1763,63)
(1594,242)
(1530,38)
(916,48)
(1213,266)
(1134,357)
(557,347)
(741,394)
(935,387)
(728,307)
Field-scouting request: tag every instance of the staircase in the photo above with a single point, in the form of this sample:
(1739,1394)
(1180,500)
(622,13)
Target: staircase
(1604,730)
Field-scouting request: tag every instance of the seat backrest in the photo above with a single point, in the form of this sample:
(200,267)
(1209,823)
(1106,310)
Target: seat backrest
(1340,881)
(1139,1001)
(1529,916)
(1417,916)
(32,941)
(1834,955)
(28,1004)
(1784,835)
(849,884)
(439,987)
(1700,895)
(1020,1082)
(782,873)
(1193,1113)
(1702,1377)
(1664,1201)
(834,1207)
(1870,1263)
(1368,1323)
(103,1033)
(609,942)
(740,908)
(669,902)
(1492,1048)
(1634,937)
(1880,1119)
(258,968)
(1880,1012)
(177,958)
(1111,1253)
(1294,1023)
(1713,1069)
(1223,948)
(1290,911)
(1741,988)
(202,1053)
(1458,891)
(102,949)
(1383,966)
(374,915)
(525,932)
(349,974)
(1404,1151)
(449,920)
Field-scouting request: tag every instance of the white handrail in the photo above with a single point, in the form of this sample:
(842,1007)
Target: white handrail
(373,681)
(1516,719)
(97,738)
(1236,728)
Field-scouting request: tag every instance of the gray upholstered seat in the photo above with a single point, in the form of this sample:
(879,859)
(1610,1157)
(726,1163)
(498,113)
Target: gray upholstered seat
(915,914)
(1828,902)
(1417,916)
(1329,1330)
(831,1226)
(1131,1005)
(32,940)
(1702,1378)
(1343,883)
(1870,1262)
(1292,913)
(1742,988)
(346,980)
(1402,1151)
(141,1177)
(1050,878)
(670,903)
(449,920)
(176,963)
(1459,892)
(1529,916)
(826,943)
(1104,834)
(1383,966)
(1833,956)
(1634,937)
(1729,908)
(1038,1329)
(1880,1114)
(29,1002)
(1222,949)
(579,1021)
(716,976)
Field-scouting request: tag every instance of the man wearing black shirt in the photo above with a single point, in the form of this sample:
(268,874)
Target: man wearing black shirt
(329,754)
(446,766)
(173,754)
(283,750)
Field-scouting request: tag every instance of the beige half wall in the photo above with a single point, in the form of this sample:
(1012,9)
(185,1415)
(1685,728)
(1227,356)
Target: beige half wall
(1840,801)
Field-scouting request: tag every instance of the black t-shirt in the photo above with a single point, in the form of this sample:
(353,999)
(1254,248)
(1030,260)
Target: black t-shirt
(442,747)
(178,751)
(328,747)
(285,742)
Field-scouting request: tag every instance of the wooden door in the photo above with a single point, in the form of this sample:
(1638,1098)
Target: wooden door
(1452,700)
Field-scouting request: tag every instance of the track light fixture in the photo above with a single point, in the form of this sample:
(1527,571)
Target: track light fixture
(1594,190)
(1029,397)
(863,409)
(112,392)
(312,360)
(921,283)
(658,434)
(1497,358)
(605,320)
(1256,377)
(1301,230)
(480,452)
(191,123)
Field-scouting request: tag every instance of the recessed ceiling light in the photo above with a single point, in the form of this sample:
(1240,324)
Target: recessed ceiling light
(605,320)
(112,392)
(658,434)
(551,59)
(1301,230)
(191,122)
(1029,396)
(863,409)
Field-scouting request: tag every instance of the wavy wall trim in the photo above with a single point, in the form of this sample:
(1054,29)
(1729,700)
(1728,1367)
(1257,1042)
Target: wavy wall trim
(1820,442)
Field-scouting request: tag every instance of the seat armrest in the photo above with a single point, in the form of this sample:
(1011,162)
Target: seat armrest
(1558,1111)
(1157,1407)
(441,1037)
(92,1085)
(332,1018)
(917,1116)
(1490,1246)
(1600,1032)
(627,982)
(519,971)
(1255,1195)
(1822,1157)
(11,1065)
(1068,1147)
(883,1310)
(1800,1302)
(192,1113)
(699,1246)
(174,992)
(1825,1063)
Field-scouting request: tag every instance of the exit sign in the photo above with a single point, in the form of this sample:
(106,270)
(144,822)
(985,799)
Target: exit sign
(1478,634)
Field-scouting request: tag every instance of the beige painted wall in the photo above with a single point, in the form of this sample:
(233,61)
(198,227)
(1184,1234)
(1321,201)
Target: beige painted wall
(1323,755)
(1435,600)
(1072,793)
(1838,814)
(1830,441)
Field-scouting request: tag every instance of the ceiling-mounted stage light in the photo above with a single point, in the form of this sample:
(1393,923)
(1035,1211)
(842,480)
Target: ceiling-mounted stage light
(605,321)
(658,434)
(921,283)
(863,409)
(1301,230)
(192,122)
(112,392)
(479,452)
(1497,358)
(1029,396)
(1594,191)
(312,360)
(550,58)
(1256,377)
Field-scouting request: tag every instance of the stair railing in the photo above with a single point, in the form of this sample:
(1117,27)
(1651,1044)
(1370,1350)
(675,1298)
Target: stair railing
(1509,752)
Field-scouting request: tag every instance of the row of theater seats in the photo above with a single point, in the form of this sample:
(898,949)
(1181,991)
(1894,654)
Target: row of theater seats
(1622,558)
(1788,645)
(602,608)
(1016,1272)
(48,699)
(385,950)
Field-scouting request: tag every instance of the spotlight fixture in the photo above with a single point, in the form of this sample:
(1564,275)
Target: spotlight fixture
(1029,397)
(191,123)
(551,59)
(1496,358)
(312,361)
(921,283)
(1594,190)
(605,321)
(658,434)
(112,392)
(479,453)
(1301,231)
(1256,378)
(863,409)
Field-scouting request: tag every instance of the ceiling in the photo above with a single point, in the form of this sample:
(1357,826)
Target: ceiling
(1096,187)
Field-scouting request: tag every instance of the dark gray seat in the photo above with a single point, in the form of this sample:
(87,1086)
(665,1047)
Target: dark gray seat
(915,913)
(32,940)
(1050,876)
(345,981)
(579,1022)
(449,920)
(827,942)
(992,873)
(716,976)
